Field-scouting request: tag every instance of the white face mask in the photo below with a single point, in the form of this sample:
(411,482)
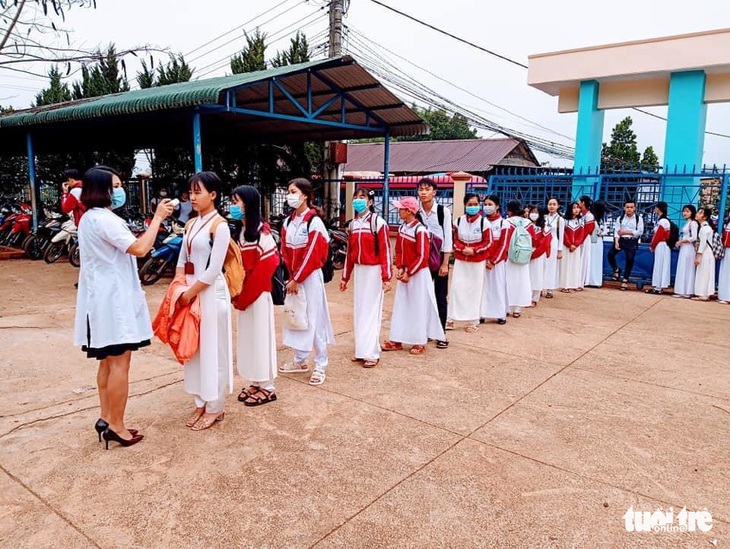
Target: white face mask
(534,216)
(294,200)
(489,209)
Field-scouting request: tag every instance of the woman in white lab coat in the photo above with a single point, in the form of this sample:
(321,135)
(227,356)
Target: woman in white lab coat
(704,258)
(209,374)
(112,318)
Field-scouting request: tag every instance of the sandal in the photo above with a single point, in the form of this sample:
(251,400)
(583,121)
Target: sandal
(245,393)
(653,291)
(549,295)
(449,325)
(565,290)
(371,363)
(472,328)
(207,422)
(616,275)
(417,350)
(355,359)
(294,367)
(265,396)
(516,315)
(624,286)
(442,344)
(193,419)
(392,346)
(318,377)
(698,298)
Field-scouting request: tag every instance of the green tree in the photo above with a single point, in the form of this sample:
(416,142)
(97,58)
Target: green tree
(649,160)
(176,70)
(56,92)
(442,126)
(13,167)
(622,152)
(253,57)
(298,52)
(103,77)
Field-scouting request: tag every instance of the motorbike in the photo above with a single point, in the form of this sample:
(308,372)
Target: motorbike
(74,256)
(36,243)
(163,256)
(21,227)
(61,241)
(7,225)
(338,243)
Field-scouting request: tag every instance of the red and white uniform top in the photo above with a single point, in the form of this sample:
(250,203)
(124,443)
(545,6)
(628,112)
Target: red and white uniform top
(304,244)
(661,233)
(589,225)
(412,247)
(500,239)
(363,233)
(726,236)
(71,202)
(472,231)
(542,240)
(573,235)
(260,260)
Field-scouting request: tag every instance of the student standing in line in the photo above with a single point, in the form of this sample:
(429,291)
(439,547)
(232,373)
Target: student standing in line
(589,227)
(256,341)
(305,248)
(494,297)
(542,239)
(627,232)
(519,288)
(595,276)
(415,314)
(704,258)
(209,374)
(571,276)
(438,221)
(368,258)
(660,277)
(723,283)
(684,279)
(556,226)
(472,239)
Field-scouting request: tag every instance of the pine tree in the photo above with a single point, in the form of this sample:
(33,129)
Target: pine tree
(253,56)
(298,52)
(56,92)
(622,152)
(650,161)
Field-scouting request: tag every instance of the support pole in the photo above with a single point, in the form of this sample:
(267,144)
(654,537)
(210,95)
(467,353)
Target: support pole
(386,178)
(723,202)
(333,172)
(197,143)
(32,178)
(588,140)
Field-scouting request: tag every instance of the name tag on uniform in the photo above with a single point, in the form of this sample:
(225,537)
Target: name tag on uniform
(189,268)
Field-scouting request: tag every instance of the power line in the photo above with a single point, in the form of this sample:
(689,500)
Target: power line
(457,38)
(647,113)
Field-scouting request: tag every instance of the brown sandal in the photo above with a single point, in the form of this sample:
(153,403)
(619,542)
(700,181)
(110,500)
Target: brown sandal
(247,392)
(255,400)
(207,422)
(417,350)
(193,419)
(355,359)
(372,363)
(392,346)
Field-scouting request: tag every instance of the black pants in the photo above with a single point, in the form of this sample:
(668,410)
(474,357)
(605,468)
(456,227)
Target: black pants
(629,247)
(441,289)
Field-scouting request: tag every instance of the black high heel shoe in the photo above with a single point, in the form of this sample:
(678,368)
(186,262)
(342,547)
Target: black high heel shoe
(111,436)
(102,426)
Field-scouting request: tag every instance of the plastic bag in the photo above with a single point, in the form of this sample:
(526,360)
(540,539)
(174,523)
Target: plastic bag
(295,311)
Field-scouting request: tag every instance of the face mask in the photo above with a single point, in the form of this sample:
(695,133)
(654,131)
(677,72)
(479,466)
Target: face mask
(471,210)
(534,216)
(237,213)
(490,209)
(294,200)
(119,198)
(359,205)
(163,194)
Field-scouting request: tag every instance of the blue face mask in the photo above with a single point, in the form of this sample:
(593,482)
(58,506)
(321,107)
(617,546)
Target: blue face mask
(119,198)
(237,213)
(360,205)
(471,210)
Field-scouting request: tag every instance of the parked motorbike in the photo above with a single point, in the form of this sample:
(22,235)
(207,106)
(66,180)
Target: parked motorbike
(6,226)
(163,256)
(74,256)
(21,227)
(338,243)
(36,243)
(60,242)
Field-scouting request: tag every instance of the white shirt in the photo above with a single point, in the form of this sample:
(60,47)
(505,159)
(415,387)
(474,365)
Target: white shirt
(431,220)
(625,223)
(555,224)
(110,295)
(208,260)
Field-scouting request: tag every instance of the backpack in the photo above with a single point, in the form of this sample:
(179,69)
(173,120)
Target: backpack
(373,229)
(328,269)
(434,250)
(278,283)
(673,235)
(520,246)
(232,264)
(481,221)
(718,249)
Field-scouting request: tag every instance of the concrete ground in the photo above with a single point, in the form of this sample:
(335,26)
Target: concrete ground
(541,433)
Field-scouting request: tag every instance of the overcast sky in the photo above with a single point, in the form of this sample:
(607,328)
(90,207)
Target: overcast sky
(514,29)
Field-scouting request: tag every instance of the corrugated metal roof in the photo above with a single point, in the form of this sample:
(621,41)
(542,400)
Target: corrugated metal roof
(142,117)
(468,155)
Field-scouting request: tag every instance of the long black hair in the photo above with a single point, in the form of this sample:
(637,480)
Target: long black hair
(252,203)
(211,182)
(369,195)
(664,208)
(514,206)
(708,216)
(569,211)
(599,210)
(541,213)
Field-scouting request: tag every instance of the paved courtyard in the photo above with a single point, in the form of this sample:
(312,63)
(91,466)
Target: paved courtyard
(541,433)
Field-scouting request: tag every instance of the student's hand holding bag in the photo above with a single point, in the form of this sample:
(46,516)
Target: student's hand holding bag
(295,310)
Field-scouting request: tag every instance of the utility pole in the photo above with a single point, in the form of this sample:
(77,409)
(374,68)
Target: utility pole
(333,171)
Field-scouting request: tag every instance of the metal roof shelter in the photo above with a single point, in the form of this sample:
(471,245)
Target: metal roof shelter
(320,100)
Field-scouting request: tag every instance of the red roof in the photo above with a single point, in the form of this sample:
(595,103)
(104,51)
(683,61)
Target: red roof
(468,155)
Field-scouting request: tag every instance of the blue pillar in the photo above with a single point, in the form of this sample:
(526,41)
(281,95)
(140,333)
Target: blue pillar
(685,139)
(386,178)
(588,140)
(32,178)
(197,143)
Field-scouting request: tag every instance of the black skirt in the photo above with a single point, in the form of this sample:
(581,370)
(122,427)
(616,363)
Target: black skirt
(110,350)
